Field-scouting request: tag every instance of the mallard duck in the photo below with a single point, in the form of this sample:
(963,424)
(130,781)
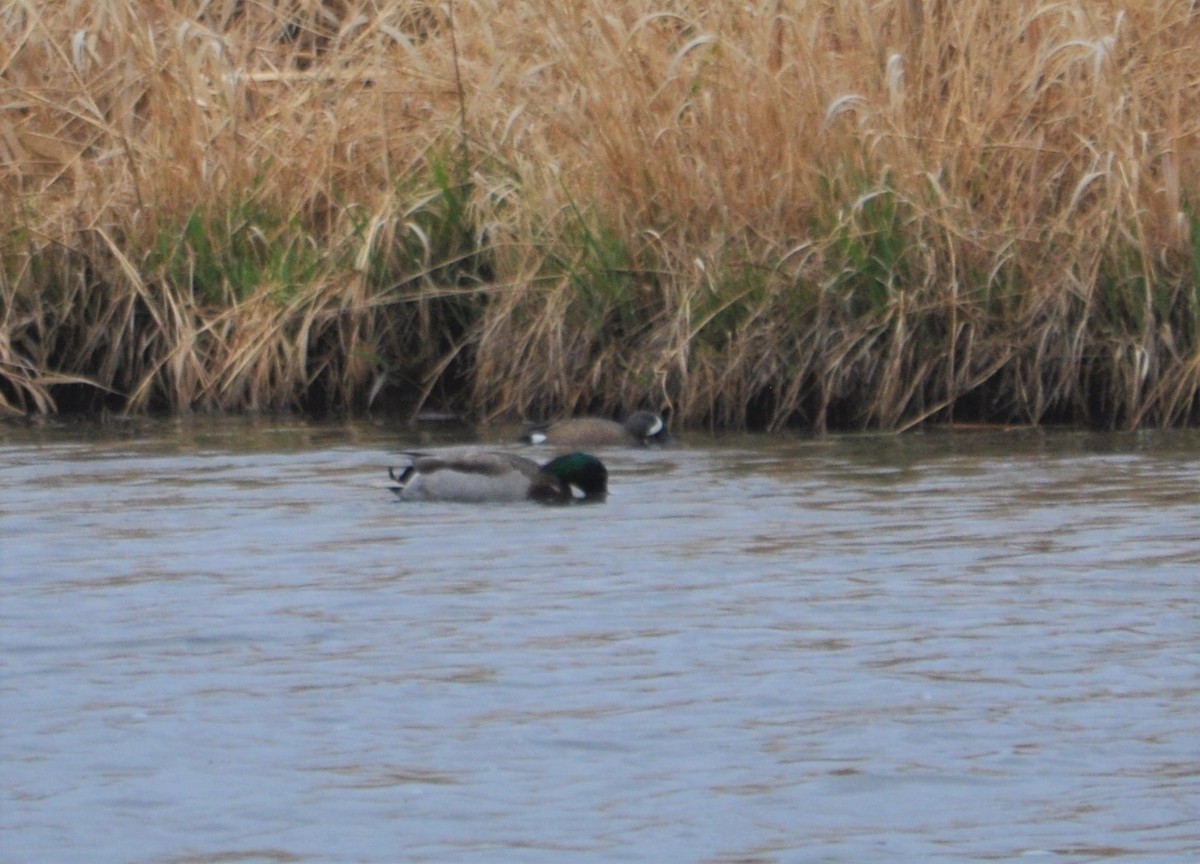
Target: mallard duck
(640,427)
(477,476)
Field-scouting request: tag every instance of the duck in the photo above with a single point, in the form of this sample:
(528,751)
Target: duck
(484,476)
(639,428)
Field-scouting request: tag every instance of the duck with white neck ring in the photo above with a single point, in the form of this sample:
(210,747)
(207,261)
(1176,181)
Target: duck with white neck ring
(478,477)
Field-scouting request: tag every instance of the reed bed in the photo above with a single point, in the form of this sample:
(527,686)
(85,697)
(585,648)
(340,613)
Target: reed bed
(861,213)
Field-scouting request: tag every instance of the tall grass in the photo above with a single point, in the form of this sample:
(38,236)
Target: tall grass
(855,213)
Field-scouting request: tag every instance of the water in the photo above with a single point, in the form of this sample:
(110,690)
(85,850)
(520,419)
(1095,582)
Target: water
(227,643)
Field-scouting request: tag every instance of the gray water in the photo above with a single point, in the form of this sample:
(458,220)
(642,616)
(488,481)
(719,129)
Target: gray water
(228,643)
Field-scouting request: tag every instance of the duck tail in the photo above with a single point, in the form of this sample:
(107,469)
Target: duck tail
(401,478)
(535,434)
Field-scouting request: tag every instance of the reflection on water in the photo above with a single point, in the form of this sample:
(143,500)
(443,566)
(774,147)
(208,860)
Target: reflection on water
(230,644)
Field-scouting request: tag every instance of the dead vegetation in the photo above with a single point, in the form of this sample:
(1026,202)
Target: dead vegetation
(861,213)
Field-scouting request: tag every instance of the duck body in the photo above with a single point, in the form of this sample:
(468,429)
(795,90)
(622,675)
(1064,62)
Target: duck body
(639,428)
(478,477)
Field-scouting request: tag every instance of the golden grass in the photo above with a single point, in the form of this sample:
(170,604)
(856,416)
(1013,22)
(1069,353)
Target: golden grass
(851,213)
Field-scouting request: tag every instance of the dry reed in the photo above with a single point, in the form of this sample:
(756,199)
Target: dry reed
(853,213)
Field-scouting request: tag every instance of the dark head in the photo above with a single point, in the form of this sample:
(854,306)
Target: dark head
(581,471)
(646,427)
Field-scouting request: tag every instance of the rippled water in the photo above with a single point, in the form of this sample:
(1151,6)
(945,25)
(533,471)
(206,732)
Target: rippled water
(228,643)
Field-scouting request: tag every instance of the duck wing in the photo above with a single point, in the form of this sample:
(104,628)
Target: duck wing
(468,476)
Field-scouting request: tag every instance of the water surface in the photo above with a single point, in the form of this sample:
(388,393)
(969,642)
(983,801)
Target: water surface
(226,642)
